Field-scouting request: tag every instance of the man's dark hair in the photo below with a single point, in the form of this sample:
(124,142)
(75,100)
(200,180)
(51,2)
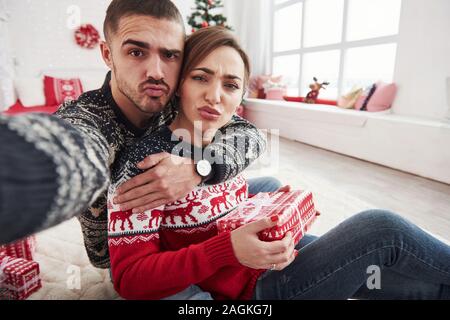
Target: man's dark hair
(160,9)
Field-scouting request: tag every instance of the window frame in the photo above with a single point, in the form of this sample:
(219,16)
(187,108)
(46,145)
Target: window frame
(343,46)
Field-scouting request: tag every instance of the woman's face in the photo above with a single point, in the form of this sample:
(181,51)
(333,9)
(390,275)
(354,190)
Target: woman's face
(213,90)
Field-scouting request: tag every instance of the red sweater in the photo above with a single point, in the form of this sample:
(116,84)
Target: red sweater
(163,251)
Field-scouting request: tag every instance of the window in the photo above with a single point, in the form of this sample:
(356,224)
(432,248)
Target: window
(345,42)
(287,28)
(325,64)
(361,72)
(288,66)
(323,27)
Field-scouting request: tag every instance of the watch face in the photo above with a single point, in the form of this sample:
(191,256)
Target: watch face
(203,168)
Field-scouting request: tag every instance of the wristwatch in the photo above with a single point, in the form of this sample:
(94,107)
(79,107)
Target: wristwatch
(204,169)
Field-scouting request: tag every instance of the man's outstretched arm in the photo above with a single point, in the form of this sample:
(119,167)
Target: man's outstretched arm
(49,172)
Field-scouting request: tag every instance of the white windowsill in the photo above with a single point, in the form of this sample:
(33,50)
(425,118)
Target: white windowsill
(332,114)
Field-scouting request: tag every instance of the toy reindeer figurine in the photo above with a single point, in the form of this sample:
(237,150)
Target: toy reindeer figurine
(311,97)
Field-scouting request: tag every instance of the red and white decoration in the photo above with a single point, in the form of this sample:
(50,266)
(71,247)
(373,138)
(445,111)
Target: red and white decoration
(23,249)
(58,91)
(47,93)
(295,210)
(19,278)
(86,36)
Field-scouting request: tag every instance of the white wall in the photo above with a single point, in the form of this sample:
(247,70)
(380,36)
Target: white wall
(7,96)
(185,7)
(42,40)
(423,59)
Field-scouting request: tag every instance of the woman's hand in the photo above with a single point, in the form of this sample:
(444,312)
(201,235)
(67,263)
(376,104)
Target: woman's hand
(254,253)
(167,179)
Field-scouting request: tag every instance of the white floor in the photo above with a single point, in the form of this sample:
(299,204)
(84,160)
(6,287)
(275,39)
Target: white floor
(342,187)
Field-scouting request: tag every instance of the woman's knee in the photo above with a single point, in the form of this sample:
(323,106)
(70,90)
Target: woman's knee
(273,183)
(378,219)
(264,184)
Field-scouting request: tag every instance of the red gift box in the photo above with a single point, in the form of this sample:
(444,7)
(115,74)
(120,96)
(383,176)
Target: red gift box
(19,278)
(296,212)
(24,248)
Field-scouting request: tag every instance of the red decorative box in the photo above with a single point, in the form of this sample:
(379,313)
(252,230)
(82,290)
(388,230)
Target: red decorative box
(296,212)
(24,248)
(19,278)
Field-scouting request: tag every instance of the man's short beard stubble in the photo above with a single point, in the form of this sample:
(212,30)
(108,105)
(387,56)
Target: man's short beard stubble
(133,95)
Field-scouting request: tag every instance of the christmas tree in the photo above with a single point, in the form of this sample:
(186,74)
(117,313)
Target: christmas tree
(206,15)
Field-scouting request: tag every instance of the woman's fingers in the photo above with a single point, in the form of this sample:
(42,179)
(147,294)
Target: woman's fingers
(284,256)
(282,265)
(133,194)
(279,246)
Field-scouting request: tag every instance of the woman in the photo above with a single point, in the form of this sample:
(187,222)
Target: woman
(160,252)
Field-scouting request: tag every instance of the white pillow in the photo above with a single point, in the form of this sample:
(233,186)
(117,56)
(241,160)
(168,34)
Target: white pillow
(92,82)
(7,94)
(30,91)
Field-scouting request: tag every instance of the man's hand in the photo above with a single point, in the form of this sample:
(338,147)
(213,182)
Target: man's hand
(254,253)
(167,179)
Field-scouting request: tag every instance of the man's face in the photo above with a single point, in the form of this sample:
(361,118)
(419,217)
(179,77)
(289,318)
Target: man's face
(146,57)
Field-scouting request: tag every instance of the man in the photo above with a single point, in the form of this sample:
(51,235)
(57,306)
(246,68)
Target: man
(143,48)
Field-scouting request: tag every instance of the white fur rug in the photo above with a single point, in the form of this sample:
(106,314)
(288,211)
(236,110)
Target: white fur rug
(61,256)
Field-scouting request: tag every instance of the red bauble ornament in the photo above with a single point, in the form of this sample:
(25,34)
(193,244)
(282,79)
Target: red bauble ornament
(86,36)
(204,24)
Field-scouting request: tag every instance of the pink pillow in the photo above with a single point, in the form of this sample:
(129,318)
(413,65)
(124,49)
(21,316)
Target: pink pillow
(381,99)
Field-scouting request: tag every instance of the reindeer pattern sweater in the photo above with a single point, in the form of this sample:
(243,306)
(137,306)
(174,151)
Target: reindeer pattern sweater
(162,251)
